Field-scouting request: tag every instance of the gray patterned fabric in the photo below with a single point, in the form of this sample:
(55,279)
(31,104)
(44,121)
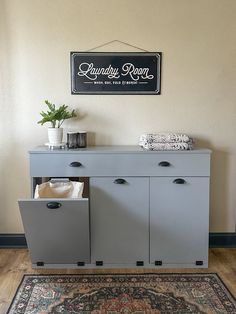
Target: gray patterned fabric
(166,141)
(164,138)
(167,146)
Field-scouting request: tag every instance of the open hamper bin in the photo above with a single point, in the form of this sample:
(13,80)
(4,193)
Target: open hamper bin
(57,227)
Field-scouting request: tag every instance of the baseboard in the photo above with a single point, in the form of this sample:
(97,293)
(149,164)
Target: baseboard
(12,240)
(216,240)
(223,239)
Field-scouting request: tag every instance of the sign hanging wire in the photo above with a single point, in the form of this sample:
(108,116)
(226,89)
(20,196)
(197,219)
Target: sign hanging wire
(116,40)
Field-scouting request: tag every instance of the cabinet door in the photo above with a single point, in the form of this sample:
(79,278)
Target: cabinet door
(119,219)
(179,219)
(57,231)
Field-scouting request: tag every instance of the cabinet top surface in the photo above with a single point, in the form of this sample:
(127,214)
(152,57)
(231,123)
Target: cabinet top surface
(124,149)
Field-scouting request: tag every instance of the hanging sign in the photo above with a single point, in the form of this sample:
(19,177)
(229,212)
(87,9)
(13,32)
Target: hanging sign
(115,73)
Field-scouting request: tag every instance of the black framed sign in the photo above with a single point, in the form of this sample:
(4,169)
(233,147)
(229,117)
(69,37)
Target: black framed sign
(116,73)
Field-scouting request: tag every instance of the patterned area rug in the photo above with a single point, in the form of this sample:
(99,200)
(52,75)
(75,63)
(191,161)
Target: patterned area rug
(127,294)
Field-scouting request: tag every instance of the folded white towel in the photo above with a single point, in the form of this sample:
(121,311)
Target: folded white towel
(70,189)
(164,138)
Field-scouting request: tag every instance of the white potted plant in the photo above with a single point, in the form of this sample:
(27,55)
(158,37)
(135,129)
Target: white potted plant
(56,116)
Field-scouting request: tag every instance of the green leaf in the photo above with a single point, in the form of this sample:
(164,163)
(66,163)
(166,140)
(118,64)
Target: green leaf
(54,115)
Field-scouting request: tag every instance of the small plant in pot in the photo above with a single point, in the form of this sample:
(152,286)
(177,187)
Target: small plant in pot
(56,116)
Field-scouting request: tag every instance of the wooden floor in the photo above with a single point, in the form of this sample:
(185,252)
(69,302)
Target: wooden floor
(14,263)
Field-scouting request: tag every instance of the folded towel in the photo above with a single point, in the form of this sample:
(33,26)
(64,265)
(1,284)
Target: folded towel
(164,138)
(167,146)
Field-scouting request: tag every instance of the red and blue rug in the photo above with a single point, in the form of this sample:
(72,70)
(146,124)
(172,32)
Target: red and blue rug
(123,293)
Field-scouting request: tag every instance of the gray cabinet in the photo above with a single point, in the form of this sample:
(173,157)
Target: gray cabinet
(150,207)
(57,231)
(179,219)
(119,219)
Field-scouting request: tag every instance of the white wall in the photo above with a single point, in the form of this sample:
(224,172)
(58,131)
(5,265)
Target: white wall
(198,42)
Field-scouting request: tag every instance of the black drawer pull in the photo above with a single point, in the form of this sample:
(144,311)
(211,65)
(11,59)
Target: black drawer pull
(119,181)
(53,205)
(179,181)
(75,164)
(164,164)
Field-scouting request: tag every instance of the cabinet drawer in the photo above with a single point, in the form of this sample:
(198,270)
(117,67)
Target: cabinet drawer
(57,230)
(122,164)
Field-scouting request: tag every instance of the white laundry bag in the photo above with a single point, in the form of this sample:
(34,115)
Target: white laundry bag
(70,189)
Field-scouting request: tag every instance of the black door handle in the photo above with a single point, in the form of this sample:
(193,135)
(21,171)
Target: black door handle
(75,164)
(119,181)
(53,205)
(179,181)
(164,164)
